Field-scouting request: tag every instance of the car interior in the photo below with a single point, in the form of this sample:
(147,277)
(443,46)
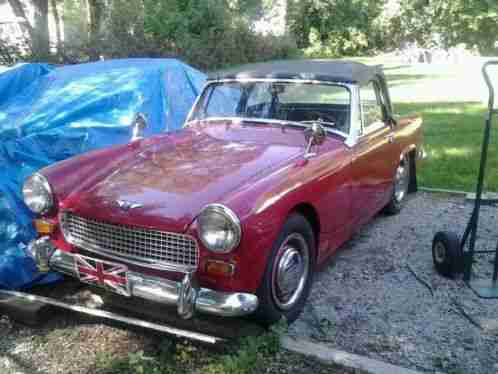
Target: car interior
(337,114)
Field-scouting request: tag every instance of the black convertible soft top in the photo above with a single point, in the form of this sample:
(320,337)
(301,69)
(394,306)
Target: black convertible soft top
(326,70)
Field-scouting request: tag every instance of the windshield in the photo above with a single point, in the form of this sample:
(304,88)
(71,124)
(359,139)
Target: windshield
(292,102)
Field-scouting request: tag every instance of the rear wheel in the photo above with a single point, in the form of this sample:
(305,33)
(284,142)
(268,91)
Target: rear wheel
(400,187)
(289,273)
(447,254)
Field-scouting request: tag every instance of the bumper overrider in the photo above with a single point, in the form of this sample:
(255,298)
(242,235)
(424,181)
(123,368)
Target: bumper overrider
(186,295)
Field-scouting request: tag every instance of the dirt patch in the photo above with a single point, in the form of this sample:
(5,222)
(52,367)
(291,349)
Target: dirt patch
(367,300)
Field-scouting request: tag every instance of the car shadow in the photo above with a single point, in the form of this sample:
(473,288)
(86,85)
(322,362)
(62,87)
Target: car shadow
(27,367)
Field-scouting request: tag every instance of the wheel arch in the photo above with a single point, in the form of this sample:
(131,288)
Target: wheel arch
(411,153)
(309,212)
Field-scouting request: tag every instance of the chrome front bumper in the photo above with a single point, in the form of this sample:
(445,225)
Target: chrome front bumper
(186,295)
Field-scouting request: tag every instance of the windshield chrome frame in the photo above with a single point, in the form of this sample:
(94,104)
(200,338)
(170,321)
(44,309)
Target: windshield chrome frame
(354,118)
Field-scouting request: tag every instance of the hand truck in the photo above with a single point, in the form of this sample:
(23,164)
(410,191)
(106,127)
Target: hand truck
(449,253)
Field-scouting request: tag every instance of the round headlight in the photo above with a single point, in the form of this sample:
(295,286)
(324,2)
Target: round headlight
(219,228)
(38,194)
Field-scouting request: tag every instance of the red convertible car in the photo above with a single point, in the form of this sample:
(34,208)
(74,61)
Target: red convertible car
(277,166)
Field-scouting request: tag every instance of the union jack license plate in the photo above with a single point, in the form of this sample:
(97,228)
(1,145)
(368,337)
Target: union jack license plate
(105,274)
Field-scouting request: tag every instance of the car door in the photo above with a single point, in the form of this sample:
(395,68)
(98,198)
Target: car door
(373,160)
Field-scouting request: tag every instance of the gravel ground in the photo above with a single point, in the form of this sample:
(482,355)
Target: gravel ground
(367,301)
(69,345)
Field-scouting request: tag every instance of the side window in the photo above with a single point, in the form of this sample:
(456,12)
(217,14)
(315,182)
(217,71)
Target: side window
(223,101)
(260,94)
(370,105)
(259,101)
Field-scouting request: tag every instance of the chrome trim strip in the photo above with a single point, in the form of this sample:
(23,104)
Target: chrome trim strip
(114,317)
(132,259)
(198,98)
(355,130)
(376,126)
(298,80)
(168,292)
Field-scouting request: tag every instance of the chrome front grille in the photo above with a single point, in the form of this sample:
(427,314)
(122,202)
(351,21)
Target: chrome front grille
(172,251)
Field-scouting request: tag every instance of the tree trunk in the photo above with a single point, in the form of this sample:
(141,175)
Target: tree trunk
(41,41)
(27,28)
(57,19)
(95,10)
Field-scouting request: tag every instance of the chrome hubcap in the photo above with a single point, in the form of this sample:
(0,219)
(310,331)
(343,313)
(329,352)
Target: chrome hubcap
(290,271)
(439,252)
(401,181)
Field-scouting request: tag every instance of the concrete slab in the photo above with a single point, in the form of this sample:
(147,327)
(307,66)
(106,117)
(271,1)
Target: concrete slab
(487,197)
(333,356)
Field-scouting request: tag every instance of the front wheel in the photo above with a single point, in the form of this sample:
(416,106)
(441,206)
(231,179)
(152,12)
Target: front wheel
(288,275)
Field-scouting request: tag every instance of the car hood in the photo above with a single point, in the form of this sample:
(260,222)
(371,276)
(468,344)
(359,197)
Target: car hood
(169,180)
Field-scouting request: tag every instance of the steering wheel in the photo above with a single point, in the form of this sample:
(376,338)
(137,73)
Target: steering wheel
(322,119)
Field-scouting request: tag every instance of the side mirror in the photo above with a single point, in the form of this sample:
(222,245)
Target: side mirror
(139,125)
(315,135)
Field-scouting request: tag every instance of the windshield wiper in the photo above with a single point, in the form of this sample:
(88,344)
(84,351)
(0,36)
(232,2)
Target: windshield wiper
(262,121)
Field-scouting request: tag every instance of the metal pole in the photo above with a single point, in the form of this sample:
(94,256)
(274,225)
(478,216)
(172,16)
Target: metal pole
(475,215)
(491,104)
(495,271)
(114,317)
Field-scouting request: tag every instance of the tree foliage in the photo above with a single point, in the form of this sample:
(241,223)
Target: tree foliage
(472,22)
(448,23)
(336,27)
(211,33)
(214,33)
(346,27)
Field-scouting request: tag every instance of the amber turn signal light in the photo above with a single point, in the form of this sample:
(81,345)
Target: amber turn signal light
(220,268)
(44,227)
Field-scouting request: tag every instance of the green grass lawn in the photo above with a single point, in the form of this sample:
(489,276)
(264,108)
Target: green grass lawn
(450,98)
(453,135)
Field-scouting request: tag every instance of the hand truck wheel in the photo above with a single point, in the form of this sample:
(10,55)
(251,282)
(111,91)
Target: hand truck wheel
(447,254)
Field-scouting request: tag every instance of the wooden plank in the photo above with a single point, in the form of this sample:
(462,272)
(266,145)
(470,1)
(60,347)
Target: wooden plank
(442,190)
(24,311)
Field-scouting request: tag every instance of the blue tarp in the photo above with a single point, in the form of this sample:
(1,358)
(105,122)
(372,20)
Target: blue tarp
(48,114)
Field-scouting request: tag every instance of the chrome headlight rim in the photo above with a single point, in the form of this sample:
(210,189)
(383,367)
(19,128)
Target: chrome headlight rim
(232,218)
(48,190)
